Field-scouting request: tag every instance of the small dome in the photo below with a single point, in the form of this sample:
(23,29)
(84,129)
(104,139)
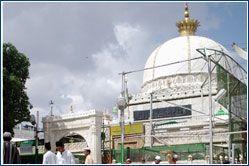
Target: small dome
(175,50)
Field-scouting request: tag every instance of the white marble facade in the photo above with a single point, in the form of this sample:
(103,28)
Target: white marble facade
(86,124)
(183,82)
(196,124)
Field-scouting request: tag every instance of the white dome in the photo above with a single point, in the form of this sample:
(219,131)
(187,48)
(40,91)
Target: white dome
(175,50)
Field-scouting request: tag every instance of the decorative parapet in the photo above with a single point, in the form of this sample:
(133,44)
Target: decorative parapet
(178,83)
(76,115)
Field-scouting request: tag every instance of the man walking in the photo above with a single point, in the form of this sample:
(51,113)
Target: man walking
(89,159)
(63,156)
(10,152)
(49,157)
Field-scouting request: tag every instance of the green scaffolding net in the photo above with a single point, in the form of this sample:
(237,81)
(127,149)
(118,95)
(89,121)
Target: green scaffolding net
(235,101)
(198,151)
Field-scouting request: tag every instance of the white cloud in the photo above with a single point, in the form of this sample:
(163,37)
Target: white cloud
(78,102)
(125,34)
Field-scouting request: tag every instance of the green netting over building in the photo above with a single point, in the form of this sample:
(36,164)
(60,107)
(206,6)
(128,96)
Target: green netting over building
(198,151)
(235,101)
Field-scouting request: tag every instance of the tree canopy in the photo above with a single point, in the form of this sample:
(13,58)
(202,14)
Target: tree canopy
(16,103)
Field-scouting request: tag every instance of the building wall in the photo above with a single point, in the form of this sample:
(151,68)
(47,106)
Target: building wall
(196,124)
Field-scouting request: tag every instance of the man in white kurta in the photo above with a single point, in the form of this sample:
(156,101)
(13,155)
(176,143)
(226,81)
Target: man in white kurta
(49,157)
(63,156)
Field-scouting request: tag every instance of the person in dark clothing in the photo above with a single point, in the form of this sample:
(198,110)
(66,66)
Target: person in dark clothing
(226,161)
(10,152)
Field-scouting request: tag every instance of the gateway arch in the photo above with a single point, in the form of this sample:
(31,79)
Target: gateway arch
(86,124)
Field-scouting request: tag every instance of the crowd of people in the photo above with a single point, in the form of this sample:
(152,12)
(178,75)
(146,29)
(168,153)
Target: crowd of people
(172,158)
(63,156)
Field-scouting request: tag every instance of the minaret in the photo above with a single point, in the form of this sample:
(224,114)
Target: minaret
(71,109)
(187,27)
(51,106)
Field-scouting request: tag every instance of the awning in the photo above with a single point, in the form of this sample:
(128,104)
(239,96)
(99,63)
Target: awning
(18,139)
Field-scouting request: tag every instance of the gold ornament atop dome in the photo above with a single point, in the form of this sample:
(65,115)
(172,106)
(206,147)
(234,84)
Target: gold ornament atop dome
(187,26)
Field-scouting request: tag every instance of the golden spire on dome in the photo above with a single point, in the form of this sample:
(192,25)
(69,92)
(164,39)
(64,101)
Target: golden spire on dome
(187,26)
(186,13)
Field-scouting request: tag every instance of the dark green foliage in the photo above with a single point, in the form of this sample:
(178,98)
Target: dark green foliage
(16,103)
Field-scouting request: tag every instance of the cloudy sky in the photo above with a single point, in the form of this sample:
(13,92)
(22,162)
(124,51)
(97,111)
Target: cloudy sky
(77,49)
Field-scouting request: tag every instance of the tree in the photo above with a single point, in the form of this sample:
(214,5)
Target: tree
(16,103)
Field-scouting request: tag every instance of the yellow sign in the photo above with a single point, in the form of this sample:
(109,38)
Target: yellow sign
(129,129)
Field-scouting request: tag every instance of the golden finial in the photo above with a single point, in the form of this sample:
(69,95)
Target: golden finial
(186,13)
(187,26)
(71,109)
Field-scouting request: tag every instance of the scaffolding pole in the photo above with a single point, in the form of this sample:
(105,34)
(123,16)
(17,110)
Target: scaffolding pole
(151,138)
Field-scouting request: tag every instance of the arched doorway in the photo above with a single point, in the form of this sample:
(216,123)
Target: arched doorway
(76,144)
(75,126)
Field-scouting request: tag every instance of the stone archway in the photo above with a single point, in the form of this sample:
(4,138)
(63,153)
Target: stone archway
(86,124)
